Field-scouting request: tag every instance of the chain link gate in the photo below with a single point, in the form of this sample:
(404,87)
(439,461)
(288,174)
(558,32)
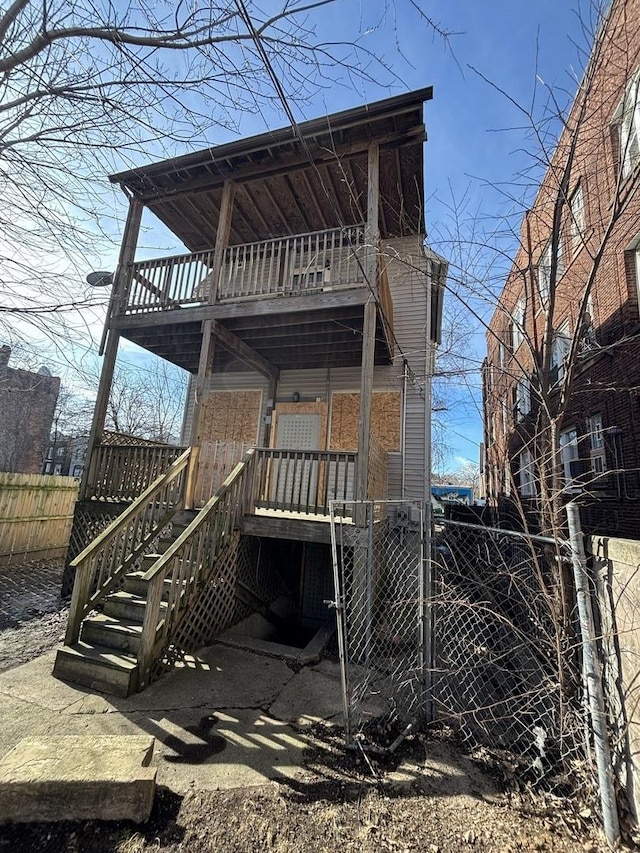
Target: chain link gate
(381,577)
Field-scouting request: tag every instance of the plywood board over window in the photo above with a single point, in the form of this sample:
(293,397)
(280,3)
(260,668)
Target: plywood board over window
(385,420)
(231,416)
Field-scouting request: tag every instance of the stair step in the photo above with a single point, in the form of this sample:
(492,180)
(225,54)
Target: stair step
(125,605)
(103,630)
(147,562)
(135,584)
(97,667)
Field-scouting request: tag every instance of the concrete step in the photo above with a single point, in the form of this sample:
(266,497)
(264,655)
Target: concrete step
(103,630)
(148,560)
(78,777)
(97,668)
(125,605)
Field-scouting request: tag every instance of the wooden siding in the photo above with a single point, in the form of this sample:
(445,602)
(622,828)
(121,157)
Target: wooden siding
(232,415)
(36,512)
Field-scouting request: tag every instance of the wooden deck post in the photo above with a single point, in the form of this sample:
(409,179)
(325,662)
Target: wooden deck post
(127,254)
(369,322)
(207,347)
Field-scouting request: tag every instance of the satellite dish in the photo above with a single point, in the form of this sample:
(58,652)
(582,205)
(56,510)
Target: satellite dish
(100,279)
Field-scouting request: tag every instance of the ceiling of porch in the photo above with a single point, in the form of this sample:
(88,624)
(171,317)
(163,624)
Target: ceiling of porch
(280,192)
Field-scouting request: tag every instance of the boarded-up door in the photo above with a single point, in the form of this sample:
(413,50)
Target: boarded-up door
(298,484)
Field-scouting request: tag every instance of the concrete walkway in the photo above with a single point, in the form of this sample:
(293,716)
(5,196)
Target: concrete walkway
(223,721)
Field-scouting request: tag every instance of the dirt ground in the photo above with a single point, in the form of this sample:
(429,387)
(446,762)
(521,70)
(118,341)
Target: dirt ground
(343,802)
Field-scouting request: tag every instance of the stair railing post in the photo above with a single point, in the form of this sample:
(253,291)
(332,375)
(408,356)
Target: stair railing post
(150,628)
(79,598)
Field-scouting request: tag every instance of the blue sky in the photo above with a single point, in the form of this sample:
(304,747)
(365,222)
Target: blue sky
(469,149)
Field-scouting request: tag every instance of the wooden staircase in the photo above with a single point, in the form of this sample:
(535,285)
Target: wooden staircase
(137,581)
(105,656)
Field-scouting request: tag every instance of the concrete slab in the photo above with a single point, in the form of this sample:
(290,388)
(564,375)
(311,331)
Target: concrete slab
(220,677)
(234,748)
(78,778)
(220,722)
(308,697)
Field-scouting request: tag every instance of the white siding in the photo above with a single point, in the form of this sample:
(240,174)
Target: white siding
(409,284)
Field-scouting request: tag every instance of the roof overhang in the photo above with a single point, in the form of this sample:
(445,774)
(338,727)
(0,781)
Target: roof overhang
(292,182)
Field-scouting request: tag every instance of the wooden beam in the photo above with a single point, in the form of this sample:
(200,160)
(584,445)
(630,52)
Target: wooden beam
(283,165)
(369,324)
(222,237)
(263,307)
(243,351)
(127,254)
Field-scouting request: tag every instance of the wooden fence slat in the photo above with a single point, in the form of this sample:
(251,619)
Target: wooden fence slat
(36,512)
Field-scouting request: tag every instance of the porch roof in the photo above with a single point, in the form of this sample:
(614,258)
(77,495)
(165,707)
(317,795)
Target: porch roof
(279,192)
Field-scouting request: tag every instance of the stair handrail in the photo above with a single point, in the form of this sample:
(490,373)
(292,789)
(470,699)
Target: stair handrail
(92,581)
(223,510)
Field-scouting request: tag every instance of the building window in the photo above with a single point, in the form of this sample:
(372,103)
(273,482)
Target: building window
(560,348)
(507,479)
(522,398)
(578,220)
(596,444)
(627,119)
(544,271)
(570,457)
(518,323)
(505,417)
(525,472)
(501,354)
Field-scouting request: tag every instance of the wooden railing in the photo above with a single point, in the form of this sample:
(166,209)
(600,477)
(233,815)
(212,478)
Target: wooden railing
(216,460)
(304,263)
(377,488)
(187,563)
(121,472)
(303,481)
(103,563)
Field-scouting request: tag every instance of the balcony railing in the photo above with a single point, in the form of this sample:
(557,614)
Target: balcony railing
(302,481)
(121,472)
(306,263)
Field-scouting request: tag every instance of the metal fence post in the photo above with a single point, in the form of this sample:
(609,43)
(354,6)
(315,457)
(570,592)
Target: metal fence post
(593,676)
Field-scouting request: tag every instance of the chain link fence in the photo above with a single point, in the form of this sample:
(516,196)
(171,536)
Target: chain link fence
(380,576)
(507,665)
(483,637)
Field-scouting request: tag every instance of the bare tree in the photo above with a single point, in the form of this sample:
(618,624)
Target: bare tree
(148,402)
(89,87)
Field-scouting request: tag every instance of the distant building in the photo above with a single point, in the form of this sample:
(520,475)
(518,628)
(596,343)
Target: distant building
(65,455)
(27,403)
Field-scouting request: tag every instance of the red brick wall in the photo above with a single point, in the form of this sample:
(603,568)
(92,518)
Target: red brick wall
(609,383)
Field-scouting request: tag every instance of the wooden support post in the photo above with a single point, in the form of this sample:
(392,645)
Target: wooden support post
(208,339)
(369,324)
(268,426)
(127,254)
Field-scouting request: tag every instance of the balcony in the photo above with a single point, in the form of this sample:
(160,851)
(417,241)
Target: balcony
(298,302)
(288,266)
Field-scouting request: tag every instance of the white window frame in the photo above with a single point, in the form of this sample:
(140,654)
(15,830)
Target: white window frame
(560,348)
(544,271)
(627,117)
(518,323)
(597,453)
(578,224)
(526,479)
(569,452)
(505,417)
(523,397)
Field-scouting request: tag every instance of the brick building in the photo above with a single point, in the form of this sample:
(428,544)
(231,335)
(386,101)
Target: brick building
(27,403)
(561,381)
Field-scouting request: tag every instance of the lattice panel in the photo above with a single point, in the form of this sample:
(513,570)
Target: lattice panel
(89,520)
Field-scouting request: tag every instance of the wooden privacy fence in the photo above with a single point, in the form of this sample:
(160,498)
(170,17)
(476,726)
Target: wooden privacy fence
(36,512)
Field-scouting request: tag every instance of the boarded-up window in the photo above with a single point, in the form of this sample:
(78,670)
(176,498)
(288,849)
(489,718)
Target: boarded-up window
(231,416)
(385,420)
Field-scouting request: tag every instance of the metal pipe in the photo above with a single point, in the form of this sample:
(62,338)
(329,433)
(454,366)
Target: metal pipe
(593,678)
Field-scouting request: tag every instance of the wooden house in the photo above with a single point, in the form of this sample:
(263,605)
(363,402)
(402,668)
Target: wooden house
(306,310)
